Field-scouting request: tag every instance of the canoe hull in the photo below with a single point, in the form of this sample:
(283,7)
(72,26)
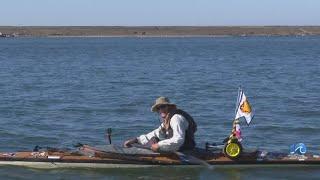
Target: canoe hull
(91,157)
(59,165)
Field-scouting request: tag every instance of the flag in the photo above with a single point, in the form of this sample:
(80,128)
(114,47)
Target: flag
(244,108)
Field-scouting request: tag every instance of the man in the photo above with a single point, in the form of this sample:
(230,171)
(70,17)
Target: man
(176,132)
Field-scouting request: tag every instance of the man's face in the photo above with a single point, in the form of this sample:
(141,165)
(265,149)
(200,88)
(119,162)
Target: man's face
(163,111)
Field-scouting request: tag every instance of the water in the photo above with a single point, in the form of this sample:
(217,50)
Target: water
(60,91)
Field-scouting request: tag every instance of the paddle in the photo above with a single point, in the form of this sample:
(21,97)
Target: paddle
(192,159)
(185,158)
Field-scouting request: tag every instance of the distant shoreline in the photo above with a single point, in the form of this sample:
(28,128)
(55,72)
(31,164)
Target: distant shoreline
(157,31)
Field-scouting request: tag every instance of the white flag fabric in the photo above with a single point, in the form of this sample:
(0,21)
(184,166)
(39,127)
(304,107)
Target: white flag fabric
(244,109)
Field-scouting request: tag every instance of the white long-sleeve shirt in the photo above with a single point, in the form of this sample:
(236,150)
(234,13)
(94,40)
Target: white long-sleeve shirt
(178,124)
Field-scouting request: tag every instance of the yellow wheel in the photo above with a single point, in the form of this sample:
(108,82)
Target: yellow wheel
(233,150)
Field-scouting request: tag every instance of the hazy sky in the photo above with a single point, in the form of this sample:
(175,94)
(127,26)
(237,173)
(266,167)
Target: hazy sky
(159,12)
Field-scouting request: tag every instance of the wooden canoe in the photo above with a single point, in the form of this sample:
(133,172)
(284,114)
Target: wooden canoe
(98,157)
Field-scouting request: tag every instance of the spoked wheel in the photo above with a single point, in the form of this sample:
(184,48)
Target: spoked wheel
(233,150)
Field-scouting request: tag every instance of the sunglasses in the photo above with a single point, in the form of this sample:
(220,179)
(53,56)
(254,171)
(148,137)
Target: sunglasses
(162,107)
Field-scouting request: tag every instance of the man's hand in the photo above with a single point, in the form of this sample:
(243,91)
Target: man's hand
(129,142)
(155,147)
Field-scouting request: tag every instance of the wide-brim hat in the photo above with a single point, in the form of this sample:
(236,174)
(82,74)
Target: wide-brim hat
(161,101)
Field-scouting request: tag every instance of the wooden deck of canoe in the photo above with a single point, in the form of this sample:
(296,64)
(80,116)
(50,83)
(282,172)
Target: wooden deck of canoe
(101,159)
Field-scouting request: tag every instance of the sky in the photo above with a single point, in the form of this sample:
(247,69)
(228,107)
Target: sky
(159,12)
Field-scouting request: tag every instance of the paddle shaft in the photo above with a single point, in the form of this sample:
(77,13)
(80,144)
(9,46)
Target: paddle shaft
(189,159)
(192,159)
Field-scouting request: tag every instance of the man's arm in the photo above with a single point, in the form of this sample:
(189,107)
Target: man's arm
(145,138)
(179,125)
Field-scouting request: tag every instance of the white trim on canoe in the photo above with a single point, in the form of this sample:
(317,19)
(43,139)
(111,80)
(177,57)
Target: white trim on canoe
(57,165)
(50,165)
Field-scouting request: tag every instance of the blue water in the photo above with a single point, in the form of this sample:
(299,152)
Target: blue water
(60,91)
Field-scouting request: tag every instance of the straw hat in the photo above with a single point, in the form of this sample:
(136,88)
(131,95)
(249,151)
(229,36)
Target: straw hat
(161,101)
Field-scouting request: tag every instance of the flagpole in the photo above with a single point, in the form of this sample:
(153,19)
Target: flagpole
(239,99)
(237,102)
